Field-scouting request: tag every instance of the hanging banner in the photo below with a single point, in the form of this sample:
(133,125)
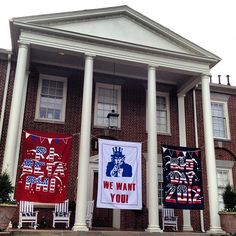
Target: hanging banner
(120,177)
(182,178)
(44,168)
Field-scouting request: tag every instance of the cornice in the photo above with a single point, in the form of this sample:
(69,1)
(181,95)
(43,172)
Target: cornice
(118,50)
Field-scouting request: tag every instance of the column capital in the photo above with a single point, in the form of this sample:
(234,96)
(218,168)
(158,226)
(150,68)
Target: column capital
(153,66)
(23,45)
(205,75)
(90,55)
(179,95)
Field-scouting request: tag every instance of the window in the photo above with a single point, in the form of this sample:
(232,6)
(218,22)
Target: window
(108,98)
(162,113)
(51,98)
(224,177)
(220,120)
(159,180)
(160,184)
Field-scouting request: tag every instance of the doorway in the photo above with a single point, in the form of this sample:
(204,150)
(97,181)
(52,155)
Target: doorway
(102,217)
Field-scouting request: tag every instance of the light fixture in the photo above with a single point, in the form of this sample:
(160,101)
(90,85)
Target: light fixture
(113,119)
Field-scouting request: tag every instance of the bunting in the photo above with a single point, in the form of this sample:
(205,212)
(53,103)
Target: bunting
(182,178)
(44,168)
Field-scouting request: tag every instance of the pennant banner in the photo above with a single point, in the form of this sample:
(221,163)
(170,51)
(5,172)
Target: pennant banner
(182,178)
(44,168)
(120,177)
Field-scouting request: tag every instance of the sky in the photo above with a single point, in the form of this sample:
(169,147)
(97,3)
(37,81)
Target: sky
(210,24)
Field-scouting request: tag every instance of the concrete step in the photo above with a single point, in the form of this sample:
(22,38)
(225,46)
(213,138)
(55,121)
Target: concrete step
(98,233)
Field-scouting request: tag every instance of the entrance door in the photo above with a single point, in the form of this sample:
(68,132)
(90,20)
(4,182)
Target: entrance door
(102,217)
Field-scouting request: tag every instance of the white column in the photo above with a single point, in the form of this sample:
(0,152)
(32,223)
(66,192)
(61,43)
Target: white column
(19,93)
(21,118)
(210,157)
(182,141)
(153,214)
(84,151)
(116,219)
(4,99)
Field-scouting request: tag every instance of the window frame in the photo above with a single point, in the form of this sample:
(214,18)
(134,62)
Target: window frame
(226,118)
(64,98)
(107,86)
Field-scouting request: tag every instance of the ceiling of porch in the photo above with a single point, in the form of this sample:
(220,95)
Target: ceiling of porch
(179,78)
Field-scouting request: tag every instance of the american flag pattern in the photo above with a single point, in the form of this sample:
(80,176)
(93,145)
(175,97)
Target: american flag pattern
(182,178)
(44,171)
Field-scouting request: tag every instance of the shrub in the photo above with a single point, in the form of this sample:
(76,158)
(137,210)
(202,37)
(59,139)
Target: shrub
(6,188)
(229,198)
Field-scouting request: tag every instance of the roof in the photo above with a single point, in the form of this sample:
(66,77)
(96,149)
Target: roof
(116,26)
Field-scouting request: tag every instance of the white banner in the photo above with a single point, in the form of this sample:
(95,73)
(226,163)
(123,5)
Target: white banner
(120,177)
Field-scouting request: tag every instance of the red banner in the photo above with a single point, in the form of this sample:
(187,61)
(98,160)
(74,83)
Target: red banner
(44,168)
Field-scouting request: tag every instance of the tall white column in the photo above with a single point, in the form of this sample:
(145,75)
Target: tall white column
(210,157)
(84,151)
(21,118)
(4,99)
(19,93)
(153,214)
(182,141)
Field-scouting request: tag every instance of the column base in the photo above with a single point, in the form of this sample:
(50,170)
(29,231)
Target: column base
(154,229)
(80,227)
(187,228)
(216,230)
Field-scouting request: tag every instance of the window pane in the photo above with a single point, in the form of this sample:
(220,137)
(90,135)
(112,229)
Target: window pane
(107,100)
(51,99)
(162,124)
(218,120)
(222,181)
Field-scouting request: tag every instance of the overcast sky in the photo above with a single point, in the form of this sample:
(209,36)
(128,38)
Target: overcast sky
(210,24)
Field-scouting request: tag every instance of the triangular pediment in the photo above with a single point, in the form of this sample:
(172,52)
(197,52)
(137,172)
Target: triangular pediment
(118,24)
(121,28)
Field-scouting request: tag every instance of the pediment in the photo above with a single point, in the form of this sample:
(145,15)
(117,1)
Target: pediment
(117,24)
(123,29)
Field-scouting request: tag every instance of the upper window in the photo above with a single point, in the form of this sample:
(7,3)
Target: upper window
(162,113)
(51,99)
(107,99)
(220,120)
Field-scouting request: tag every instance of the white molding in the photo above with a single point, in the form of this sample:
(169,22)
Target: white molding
(224,164)
(122,51)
